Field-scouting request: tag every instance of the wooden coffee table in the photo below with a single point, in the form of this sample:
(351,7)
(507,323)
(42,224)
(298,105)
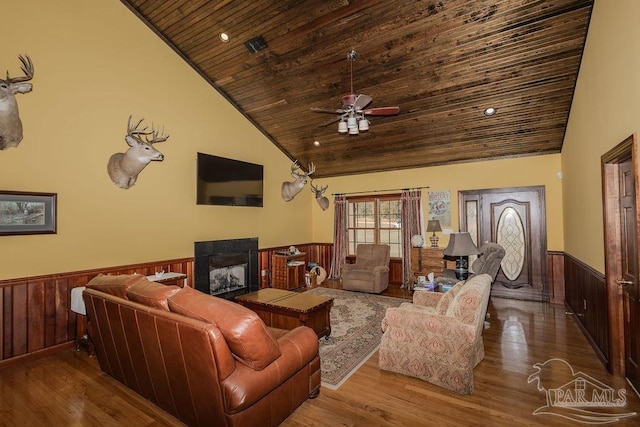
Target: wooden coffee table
(287,310)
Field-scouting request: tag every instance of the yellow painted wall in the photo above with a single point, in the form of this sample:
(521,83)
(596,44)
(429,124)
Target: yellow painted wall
(518,172)
(95,64)
(604,112)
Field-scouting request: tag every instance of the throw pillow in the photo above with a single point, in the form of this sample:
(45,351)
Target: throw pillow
(245,333)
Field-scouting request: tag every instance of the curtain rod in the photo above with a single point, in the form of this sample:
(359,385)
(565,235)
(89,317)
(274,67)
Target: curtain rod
(378,191)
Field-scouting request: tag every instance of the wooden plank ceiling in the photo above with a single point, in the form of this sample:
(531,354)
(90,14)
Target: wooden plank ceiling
(441,62)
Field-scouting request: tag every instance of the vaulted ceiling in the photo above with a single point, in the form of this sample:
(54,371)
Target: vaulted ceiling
(442,62)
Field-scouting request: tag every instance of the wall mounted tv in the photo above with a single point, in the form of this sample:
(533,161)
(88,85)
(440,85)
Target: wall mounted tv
(228,182)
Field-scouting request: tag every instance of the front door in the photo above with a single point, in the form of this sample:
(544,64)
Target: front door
(515,219)
(629,271)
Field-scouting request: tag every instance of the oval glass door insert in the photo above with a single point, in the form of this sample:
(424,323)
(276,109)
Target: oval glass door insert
(510,235)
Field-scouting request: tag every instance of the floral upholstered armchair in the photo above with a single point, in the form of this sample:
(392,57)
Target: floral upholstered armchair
(438,337)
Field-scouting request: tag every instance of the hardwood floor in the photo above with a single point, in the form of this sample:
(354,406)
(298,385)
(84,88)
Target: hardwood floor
(68,388)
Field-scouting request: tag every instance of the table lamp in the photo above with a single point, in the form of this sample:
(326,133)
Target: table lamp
(434,225)
(461,246)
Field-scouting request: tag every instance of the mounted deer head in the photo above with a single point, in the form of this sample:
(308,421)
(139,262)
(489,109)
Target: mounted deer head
(320,198)
(123,168)
(291,189)
(10,124)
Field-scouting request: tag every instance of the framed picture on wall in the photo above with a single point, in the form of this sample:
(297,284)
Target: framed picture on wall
(27,213)
(440,207)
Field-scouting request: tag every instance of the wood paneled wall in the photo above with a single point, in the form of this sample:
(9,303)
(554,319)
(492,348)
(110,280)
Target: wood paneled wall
(36,316)
(35,312)
(586,297)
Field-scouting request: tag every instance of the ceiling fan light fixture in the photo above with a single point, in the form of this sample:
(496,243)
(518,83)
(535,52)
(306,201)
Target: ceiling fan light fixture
(355,106)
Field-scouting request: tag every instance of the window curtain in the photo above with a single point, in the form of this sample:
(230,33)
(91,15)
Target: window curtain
(339,236)
(411,201)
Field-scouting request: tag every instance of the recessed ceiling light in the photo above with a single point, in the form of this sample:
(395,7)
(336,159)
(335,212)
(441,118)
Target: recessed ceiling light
(224,37)
(316,143)
(490,111)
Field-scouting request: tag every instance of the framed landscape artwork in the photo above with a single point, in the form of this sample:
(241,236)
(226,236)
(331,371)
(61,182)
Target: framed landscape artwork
(27,213)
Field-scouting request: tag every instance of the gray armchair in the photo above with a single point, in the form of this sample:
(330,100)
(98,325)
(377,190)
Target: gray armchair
(370,273)
(488,262)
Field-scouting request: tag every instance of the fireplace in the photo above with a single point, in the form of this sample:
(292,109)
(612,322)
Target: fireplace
(226,268)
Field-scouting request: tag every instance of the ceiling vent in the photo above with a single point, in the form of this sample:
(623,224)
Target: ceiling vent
(256,44)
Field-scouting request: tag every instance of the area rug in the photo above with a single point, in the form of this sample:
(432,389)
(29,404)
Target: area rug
(355,332)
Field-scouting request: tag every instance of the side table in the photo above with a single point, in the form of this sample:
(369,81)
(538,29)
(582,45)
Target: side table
(169,278)
(82,331)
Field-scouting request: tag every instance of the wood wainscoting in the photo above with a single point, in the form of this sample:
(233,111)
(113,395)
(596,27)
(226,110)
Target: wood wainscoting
(36,316)
(35,312)
(586,297)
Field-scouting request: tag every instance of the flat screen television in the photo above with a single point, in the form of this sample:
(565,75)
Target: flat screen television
(228,182)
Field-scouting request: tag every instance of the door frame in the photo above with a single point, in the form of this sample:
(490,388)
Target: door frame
(627,149)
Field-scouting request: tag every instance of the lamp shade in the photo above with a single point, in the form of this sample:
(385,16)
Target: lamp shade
(460,244)
(433,225)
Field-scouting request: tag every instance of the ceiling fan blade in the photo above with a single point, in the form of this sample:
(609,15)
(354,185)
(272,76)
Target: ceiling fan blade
(328,110)
(328,122)
(362,101)
(382,111)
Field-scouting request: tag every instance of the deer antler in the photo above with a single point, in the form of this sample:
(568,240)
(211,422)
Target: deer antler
(294,167)
(134,131)
(312,169)
(157,137)
(26,67)
(318,191)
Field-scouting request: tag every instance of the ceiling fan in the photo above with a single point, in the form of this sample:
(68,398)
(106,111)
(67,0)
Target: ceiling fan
(351,116)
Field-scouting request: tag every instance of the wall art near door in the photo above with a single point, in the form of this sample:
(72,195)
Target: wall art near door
(27,213)
(440,207)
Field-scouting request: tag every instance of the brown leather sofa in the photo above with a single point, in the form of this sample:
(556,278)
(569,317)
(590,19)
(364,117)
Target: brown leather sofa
(203,359)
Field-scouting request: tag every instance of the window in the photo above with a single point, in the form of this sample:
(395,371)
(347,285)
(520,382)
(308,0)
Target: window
(375,220)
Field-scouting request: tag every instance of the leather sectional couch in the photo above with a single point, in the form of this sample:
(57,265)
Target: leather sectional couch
(203,359)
